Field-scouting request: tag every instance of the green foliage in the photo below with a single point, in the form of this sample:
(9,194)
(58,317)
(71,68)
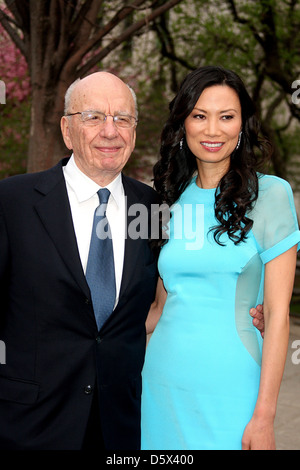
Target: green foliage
(15,118)
(153,110)
(258,39)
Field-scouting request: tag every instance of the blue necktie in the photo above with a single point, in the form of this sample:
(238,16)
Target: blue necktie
(100,271)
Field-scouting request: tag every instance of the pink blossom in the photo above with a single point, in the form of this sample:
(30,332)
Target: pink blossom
(13,69)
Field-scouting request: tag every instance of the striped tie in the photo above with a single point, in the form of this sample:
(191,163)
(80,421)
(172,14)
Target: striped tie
(100,271)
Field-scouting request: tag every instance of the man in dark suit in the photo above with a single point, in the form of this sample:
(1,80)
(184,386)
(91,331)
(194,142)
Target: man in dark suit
(69,383)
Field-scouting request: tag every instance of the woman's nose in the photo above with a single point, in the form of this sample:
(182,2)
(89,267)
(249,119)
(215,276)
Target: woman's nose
(212,127)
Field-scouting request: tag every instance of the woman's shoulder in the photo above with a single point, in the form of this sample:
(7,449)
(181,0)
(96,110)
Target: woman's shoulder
(275,197)
(274,217)
(273,186)
(271,181)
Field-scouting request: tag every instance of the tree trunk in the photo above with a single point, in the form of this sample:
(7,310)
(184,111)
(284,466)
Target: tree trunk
(56,36)
(279,161)
(46,145)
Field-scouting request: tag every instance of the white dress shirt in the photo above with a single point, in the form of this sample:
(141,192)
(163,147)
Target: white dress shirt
(83,197)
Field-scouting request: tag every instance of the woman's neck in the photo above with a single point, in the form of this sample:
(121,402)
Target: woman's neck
(210,175)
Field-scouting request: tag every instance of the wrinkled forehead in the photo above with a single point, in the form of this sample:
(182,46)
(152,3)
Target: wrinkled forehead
(108,96)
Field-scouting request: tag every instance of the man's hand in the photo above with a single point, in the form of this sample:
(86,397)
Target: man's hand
(258,318)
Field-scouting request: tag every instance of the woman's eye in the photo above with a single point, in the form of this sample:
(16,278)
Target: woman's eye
(199,116)
(227,117)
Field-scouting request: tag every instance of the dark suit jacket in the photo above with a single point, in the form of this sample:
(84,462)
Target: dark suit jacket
(55,357)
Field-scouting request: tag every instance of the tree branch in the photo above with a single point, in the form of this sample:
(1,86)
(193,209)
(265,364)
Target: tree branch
(20,11)
(275,103)
(244,21)
(130,31)
(85,21)
(167,46)
(90,22)
(6,22)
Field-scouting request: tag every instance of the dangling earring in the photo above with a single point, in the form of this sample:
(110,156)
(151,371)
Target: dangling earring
(239,141)
(181,143)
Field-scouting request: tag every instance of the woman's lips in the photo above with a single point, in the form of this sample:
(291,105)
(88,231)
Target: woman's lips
(212,146)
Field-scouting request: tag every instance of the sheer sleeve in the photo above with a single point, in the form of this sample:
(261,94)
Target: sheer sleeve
(275,225)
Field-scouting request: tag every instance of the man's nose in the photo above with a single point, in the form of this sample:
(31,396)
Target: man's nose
(108,128)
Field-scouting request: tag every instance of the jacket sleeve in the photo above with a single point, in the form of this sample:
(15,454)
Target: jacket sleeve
(4,258)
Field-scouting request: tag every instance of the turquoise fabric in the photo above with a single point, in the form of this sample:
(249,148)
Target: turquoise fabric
(202,365)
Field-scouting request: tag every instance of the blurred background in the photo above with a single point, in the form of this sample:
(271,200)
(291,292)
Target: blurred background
(47,44)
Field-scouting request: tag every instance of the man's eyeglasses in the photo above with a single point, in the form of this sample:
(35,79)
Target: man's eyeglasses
(94,118)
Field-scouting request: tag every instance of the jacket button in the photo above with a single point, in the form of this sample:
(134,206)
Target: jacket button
(88,389)
(98,340)
(87,301)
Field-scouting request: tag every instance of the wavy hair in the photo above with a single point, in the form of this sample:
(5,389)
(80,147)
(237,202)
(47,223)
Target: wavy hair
(237,190)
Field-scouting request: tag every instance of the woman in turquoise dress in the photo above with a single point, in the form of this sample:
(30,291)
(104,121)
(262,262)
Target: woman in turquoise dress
(209,380)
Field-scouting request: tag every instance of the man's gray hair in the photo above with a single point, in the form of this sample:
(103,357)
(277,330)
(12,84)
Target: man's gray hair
(68,96)
(70,90)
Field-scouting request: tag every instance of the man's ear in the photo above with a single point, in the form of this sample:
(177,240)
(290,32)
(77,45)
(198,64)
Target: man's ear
(65,130)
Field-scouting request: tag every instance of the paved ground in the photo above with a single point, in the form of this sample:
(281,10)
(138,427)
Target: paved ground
(287,423)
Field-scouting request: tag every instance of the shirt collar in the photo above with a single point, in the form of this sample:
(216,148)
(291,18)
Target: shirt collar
(85,188)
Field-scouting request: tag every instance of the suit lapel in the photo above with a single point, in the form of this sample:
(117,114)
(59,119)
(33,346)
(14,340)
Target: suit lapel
(133,196)
(55,214)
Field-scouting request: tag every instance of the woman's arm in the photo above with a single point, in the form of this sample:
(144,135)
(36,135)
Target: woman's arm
(156,307)
(279,281)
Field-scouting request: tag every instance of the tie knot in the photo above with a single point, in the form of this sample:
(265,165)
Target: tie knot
(103,194)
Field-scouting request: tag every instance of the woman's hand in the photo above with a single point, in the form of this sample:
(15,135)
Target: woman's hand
(259,434)
(156,308)
(258,318)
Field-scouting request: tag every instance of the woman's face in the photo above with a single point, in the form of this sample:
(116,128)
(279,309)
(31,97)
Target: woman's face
(212,129)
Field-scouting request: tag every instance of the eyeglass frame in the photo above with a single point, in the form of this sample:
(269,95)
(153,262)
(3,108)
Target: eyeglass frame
(106,116)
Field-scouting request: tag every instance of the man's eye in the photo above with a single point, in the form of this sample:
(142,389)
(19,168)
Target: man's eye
(92,117)
(122,118)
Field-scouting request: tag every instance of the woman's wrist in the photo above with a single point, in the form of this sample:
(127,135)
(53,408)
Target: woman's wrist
(265,413)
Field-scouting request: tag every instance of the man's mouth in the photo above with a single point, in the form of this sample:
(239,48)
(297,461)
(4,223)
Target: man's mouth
(108,149)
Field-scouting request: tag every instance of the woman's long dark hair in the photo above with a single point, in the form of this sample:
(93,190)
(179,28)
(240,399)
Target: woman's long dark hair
(238,189)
